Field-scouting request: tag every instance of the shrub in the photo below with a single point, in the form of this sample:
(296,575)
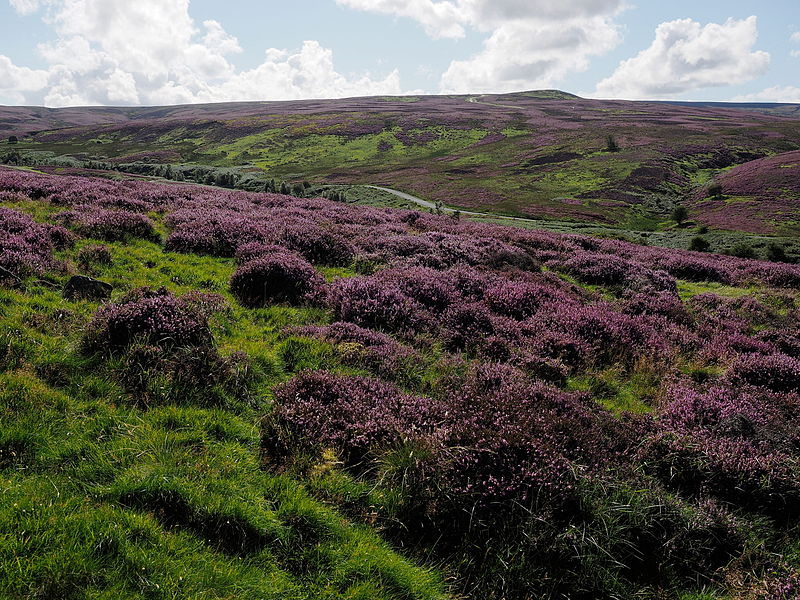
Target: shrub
(252,250)
(26,247)
(733,469)
(776,372)
(275,278)
(93,255)
(776,253)
(611,270)
(318,410)
(699,244)
(466,325)
(318,245)
(370,302)
(219,234)
(742,250)
(365,348)
(110,225)
(679,214)
(521,299)
(153,317)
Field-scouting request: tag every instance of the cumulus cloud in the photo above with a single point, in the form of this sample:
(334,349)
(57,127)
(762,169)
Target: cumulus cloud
(440,19)
(778,93)
(531,43)
(686,56)
(152,52)
(16,81)
(528,55)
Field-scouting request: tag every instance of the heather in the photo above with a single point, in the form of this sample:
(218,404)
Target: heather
(298,397)
(27,247)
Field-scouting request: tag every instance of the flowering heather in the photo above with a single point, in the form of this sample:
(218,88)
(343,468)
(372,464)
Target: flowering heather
(26,247)
(253,250)
(372,303)
(351,414)
(776,372)
(521,299)
(359,347)
(467,325)
(318,245)
(275,278)
(785,587)
(154,317)
(109,225)
(745,472)
(610,270)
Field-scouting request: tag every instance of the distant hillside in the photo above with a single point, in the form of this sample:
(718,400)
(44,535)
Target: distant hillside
(761,196)
(544,154)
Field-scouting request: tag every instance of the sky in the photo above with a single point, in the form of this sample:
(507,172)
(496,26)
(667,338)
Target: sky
(156,52)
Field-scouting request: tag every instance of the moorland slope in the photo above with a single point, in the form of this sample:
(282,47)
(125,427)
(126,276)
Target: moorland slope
(547,155)
(278,397)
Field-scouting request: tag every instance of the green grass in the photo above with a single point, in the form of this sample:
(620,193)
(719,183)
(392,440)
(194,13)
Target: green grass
(102,496)
(618,391)
(689,289)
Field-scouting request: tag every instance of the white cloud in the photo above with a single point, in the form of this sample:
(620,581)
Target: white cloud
(440,19)
(778,93)
(532,43)
(686,56)
(26,7)
(152,52)
(300,75)
(528,55)
(796,36)
(16,82)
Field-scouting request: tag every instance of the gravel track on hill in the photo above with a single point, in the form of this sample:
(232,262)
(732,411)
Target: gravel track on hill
(428,204)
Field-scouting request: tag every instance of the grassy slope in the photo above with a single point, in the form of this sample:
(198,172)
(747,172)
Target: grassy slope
(102,497)
(525,154)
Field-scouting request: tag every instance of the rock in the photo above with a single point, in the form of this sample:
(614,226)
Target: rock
(86,288)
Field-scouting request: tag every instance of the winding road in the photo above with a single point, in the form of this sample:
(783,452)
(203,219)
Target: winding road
(428,204)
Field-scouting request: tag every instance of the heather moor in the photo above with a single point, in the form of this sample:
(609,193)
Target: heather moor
(229,373)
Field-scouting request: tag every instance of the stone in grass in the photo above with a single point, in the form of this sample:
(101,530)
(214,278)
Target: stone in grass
(86,288)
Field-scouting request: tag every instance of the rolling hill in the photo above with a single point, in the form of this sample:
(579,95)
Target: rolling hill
(543,154)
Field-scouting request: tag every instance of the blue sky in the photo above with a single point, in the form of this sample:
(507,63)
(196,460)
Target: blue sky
(118,52)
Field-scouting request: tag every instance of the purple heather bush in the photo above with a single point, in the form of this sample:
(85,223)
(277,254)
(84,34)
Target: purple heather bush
(370,302)
(614,271)
(521,299)
(466,326)
(777,372)
(148,316)
(109,225)
(26,247)
(220,233)
(276,278)
(254,250)
(318,409)
(747,473)
(359,347)
(317,245)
